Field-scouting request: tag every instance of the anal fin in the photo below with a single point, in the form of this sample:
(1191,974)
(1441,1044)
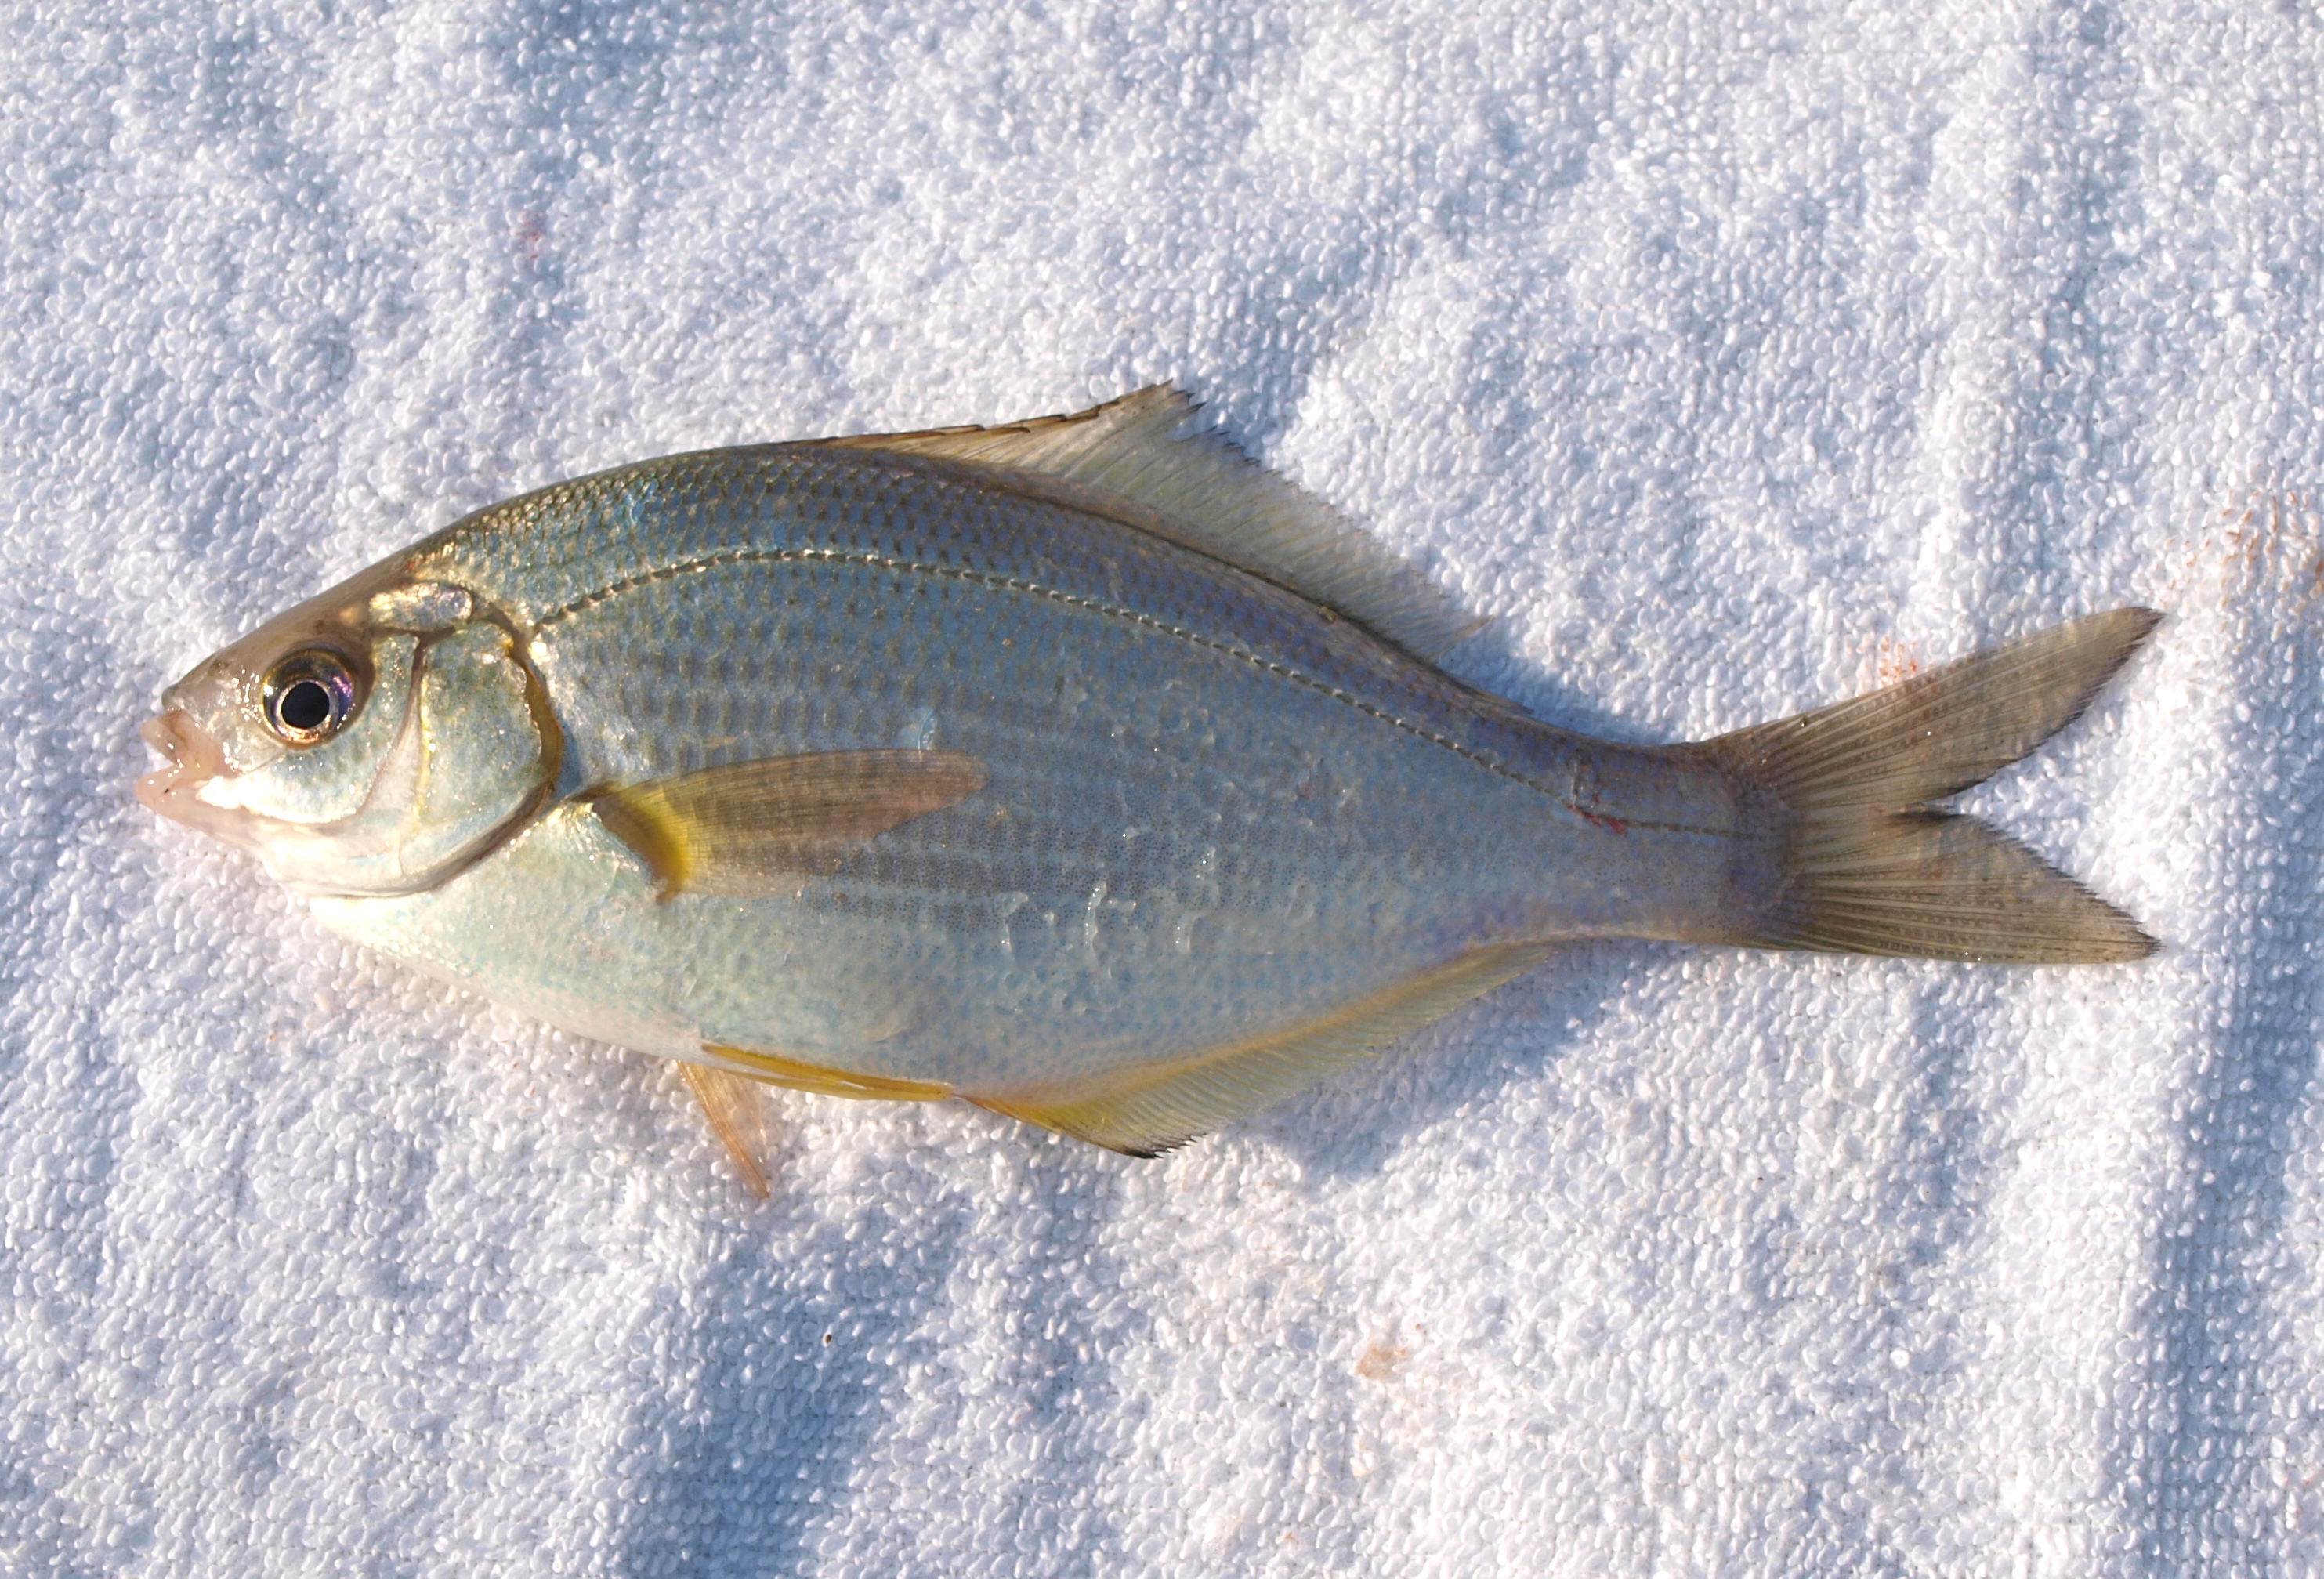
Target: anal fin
(1144,1112)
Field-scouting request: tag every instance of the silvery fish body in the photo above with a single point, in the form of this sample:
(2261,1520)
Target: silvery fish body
(1078,768)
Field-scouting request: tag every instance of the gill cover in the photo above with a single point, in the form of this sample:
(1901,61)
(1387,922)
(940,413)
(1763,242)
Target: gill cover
(374,741)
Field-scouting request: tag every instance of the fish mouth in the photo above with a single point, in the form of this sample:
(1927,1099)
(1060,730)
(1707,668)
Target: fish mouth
(195,757)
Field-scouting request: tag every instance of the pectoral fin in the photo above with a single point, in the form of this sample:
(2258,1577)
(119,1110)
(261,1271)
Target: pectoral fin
(1145,1112)
(747,828)
(731,1106)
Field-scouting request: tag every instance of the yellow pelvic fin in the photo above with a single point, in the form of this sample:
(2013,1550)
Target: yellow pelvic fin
(1145,1112)
(1197,488)
(731,1106)
(773,1070)
(746,828)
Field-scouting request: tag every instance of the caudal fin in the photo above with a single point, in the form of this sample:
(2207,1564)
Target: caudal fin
(1871,868)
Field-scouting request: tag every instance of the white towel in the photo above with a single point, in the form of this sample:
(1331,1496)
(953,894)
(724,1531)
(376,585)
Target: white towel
(1732,359)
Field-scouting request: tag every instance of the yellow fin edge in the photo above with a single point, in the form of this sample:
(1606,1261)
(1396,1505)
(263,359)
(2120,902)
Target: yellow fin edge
(1144,1112)
(773,1070)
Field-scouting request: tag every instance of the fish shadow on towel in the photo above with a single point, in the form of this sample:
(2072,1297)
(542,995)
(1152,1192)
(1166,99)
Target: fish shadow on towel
(817,1362)
(1351,1128)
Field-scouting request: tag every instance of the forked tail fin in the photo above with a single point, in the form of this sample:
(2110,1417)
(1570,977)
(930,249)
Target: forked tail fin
(1870,868)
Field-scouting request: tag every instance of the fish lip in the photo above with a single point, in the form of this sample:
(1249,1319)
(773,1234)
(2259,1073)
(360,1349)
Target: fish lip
(194,757)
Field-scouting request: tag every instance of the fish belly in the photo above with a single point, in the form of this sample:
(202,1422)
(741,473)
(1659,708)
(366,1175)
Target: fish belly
(1204,819)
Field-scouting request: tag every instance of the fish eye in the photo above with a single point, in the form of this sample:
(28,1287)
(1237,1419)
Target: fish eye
(309,696)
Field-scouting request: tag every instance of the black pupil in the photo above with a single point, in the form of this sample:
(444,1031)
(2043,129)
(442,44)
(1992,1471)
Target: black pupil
(307,705)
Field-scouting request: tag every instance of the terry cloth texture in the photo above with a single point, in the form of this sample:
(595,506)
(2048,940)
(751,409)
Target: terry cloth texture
(1731,358)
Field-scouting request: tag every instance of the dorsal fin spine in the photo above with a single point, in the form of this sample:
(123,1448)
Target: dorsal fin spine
(1198,489)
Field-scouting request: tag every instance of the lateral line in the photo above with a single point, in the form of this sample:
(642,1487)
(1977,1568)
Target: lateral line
(726,558)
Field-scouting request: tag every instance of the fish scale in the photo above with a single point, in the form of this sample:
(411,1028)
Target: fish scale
(1074,766)
(1023,631)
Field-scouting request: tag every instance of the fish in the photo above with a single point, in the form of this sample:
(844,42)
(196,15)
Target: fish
(1079,767)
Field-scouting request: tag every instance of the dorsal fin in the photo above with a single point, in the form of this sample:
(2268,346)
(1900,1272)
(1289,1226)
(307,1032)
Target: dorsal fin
(1213,497)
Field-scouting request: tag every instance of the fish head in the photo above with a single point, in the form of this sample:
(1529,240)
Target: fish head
(375,740)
